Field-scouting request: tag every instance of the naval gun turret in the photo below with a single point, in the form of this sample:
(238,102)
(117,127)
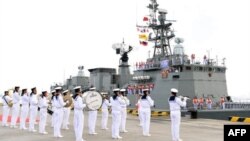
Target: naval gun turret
(124,75)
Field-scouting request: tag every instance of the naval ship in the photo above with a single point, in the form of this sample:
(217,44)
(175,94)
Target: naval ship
(169,67)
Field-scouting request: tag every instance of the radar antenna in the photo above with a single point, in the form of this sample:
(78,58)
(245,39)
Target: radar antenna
(162,31)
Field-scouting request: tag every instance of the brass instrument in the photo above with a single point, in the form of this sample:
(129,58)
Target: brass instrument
(10,103)
(66,98)
(184,97)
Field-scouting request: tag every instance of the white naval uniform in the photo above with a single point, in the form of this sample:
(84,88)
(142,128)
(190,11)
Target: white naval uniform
(146,114)
(78,118)
(53,115)
(24,110)
(58,119)
(175,115)
(43,104)
(116,115)
(138,104)
(124,114)
(6,109)
(92,121)
(66,114)
(15,109)
(105,113)
(33,112)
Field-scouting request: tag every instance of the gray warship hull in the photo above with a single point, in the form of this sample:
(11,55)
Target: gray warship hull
(192,81)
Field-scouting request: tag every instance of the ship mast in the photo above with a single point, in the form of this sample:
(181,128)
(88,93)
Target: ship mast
(161,29)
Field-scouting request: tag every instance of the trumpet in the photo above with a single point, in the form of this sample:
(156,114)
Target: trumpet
(184,97)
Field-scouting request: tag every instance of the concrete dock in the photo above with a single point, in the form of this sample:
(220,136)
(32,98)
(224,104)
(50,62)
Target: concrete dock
(191,130)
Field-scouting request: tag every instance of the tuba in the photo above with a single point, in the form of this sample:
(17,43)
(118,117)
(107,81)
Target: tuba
(10,103)
(67,97)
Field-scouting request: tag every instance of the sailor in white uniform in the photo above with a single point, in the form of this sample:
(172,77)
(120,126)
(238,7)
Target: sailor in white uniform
(92,118)
(116,102)
(78,114)
(138,105)
(52,108)
(16,107)
(43,104)
(66,112)
(59,104)
(124,110)
(175,104)
(33,109)
(24,109)
(6,108)
(146,102)
(105,112)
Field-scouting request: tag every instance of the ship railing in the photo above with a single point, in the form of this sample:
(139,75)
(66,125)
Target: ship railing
(148,66)
(237,105)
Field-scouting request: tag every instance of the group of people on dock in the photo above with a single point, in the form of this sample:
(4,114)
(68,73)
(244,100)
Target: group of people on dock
(32,104)
(200,103)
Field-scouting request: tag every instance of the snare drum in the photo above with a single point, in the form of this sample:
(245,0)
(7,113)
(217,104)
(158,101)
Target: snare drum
(92,99)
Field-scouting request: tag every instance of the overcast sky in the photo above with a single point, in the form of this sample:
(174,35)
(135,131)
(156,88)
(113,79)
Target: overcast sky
(44,41)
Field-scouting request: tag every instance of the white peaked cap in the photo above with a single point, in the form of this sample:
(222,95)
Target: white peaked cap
(93,88)
(77,87)
(43,90)
(174,90)
(53,91)
(104,93)
(145,90)
(58,88)
(123,90)
(116,89)
(65,91)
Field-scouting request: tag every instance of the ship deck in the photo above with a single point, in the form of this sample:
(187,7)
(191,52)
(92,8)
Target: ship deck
(191,130)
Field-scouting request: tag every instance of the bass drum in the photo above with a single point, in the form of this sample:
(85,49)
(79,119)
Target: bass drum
(93,100)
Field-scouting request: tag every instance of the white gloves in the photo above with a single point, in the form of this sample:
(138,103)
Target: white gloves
(186,98)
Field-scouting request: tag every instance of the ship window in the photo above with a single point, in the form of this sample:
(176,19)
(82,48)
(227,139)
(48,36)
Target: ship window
(188,67)
(218,70)
(113,80)
(210,69)
(176,76)
(196,68)
(200,68)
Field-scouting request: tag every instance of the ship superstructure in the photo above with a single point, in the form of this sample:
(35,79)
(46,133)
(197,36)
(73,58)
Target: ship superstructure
(170,67)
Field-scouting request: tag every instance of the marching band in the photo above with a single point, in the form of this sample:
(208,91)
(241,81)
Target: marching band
(60,104)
